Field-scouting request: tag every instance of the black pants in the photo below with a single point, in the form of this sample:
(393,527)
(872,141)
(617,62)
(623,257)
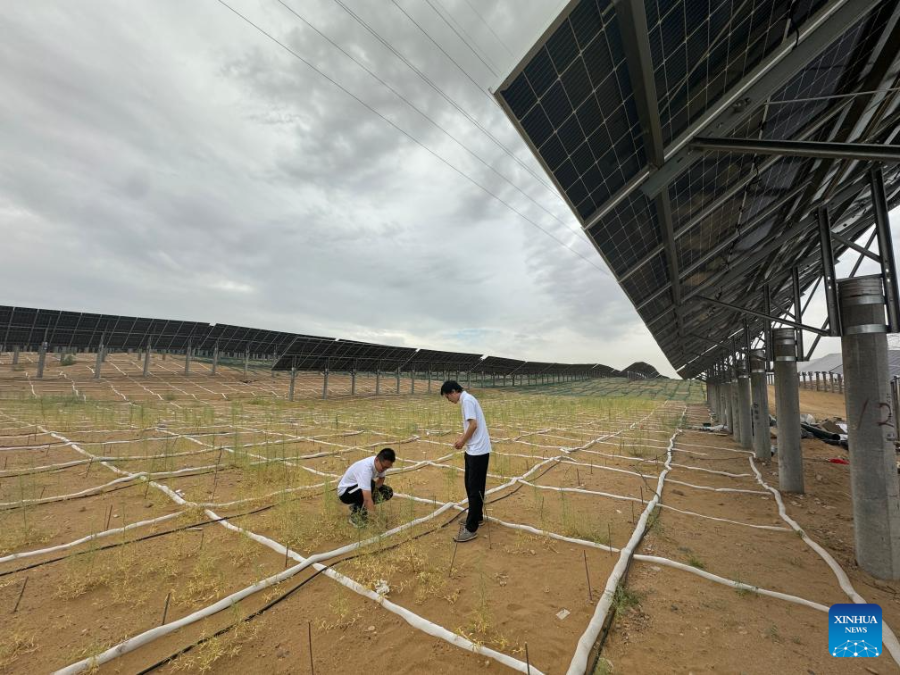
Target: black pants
(476,480)
(355,498)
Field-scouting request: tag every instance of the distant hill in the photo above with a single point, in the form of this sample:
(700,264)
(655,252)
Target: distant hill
(642,369)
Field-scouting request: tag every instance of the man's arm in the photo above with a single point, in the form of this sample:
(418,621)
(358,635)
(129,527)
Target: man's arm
(368,502)
(379,482)
(470,431)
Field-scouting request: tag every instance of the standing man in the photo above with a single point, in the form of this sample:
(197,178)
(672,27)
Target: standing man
(477,442)
(361,481)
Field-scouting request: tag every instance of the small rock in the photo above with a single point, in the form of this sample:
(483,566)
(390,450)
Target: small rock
(370,629)
(562,614)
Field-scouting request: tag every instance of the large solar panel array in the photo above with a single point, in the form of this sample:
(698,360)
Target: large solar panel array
(28,328)
(612,97)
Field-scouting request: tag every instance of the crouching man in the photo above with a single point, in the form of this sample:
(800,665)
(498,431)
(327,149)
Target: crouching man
(362,486)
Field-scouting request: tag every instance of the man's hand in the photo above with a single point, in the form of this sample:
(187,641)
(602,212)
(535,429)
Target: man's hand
(460,443)
(368,503)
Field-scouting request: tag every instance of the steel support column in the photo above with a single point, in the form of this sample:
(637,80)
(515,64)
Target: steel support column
(885,249)
(787,411)
(744,407)
(871,429)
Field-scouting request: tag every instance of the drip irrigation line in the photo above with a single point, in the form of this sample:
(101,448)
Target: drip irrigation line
(275,601)
(147,537)
(284,596)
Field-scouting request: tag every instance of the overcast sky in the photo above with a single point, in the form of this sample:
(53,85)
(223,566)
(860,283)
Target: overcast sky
(166,159)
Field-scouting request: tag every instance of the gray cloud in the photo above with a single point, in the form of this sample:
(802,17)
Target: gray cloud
(166,159)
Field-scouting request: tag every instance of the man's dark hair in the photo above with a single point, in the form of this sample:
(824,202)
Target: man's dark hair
(450,386)
(387,455)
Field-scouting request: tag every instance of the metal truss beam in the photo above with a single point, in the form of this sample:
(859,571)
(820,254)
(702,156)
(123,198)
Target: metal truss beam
(872,152)
(760,315)
(632,15)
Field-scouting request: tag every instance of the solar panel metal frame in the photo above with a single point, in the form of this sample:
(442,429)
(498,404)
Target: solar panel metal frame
(842,46)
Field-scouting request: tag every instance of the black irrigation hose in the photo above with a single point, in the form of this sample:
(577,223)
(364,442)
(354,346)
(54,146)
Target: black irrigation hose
(152,536)
(269,605)
(104,492)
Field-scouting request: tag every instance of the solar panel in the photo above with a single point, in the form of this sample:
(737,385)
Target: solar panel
(27,328)
(612,97)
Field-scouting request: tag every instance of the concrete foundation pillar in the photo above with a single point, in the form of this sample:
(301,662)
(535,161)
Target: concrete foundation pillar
(840,383)
(353,383)
(147,353)
(469,379)
(246,361)
(99,361)
(871,431)
(397,375)
(760,407)
(787,411)
(15,359)
(412,382)
(291,385)
(377,382)
(187,359)
(42,357)
(428,376)
(325,384)
(745,408)
(735,409)
(215,360)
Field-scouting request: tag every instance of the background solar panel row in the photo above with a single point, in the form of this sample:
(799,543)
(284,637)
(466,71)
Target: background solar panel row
(28,328)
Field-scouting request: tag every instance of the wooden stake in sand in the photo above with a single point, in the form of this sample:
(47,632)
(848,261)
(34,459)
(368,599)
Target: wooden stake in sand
(286,553)
(108,516)
(485,517)
(527,660)
(452,558)
(21,593)
(166,608)
(312,667)
(90,464)
(216,474)
(588,577)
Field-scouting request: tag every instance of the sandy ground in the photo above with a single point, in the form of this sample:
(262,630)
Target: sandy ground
(269,466)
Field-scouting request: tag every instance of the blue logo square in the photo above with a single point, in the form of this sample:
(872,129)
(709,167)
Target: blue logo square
(854,630)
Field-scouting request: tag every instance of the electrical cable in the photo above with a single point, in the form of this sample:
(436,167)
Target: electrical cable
(409,136)
(419,110)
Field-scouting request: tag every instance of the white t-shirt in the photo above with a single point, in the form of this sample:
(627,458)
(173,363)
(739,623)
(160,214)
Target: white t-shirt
(480,443)
(360,474)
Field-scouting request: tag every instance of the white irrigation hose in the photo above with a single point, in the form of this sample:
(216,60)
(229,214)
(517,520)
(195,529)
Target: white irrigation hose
(96,535)
(579,663)
(713,471)
(62,498)
(888,636)
(713,489)
(663,506)
(730,582)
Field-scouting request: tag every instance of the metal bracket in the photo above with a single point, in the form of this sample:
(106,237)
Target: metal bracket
(828,273)
(762,315)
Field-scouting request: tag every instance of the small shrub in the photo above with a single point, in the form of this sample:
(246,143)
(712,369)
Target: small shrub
(67,360)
